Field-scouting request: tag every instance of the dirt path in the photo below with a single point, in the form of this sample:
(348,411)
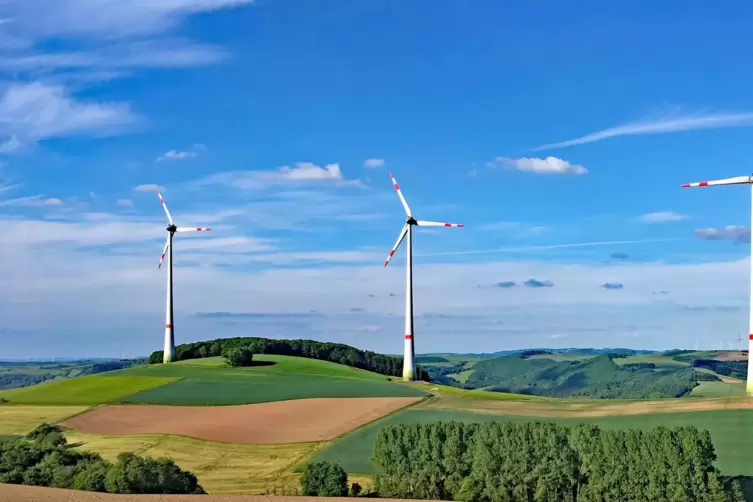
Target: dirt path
(17,493)
(295,421)
(578,409)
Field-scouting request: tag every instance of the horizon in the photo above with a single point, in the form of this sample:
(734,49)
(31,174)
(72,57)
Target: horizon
(560,140)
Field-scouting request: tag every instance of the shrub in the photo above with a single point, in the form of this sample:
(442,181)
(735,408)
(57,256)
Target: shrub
(355,490)
(239,357)
(324,479)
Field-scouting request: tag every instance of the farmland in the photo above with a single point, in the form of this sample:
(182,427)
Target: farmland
(86,390)
(728,429)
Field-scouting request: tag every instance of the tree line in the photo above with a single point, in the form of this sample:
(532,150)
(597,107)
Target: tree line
(546,462)
(324,351)
(43,458)
(735,369)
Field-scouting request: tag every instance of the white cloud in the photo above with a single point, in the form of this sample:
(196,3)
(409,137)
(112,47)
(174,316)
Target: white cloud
(653,125)
(662,217)
(373,163)
(36,111)
(549,165)
(125,203)
(733,233)
(149,187)
(10,145)
(307,171)
(175,155)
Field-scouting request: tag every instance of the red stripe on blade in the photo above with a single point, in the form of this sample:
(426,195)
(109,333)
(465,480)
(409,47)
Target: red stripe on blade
(703,184)
(461,225)
(168,325)
(750,337)
(686,185)
(409,337)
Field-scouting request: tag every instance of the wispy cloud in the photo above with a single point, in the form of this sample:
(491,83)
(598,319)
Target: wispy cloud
(549,165)
(301,173)
(544,247)
(535,283)
(505,284)
(619,256)
(32,112)
(373,163)
(732,233)
(612,285)
(662,217)
(32,201)
(658,125)
(149,187)
(175,155)
(125,203)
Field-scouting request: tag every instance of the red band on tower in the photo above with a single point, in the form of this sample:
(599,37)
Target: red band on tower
(750,337)
(168,325)
(410,337)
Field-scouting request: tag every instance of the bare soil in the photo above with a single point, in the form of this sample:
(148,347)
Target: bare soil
(578,409)
(295,421)
(18,493)
(731,356)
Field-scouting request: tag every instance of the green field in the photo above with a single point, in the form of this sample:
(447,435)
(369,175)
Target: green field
(658,359)
(211,383)
(564,357)
(729,432)
(86,390)
(718,389)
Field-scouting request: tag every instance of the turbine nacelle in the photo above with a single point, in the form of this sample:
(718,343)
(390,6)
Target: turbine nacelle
(172,229)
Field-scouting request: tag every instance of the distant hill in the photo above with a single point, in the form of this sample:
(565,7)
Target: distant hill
(23,374)
(574,350)
(324,351)
(597,377)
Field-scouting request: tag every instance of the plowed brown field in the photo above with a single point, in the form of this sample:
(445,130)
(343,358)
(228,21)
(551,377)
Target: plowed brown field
(296,421)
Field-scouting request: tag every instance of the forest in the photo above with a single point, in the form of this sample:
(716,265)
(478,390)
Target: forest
(545,462)
(597,377)
(324,351)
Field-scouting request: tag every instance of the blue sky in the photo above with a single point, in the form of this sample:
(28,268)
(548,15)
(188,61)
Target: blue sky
(558,135)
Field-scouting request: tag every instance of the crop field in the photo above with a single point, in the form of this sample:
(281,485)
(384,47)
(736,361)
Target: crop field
(474,395)
(718,389)
(86,390)
(729,432)
(295,421)
(219,467)
(20,419)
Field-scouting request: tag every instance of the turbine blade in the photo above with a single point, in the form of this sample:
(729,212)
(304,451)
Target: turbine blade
(400,194)
(739,180)
(192,229)
(400,238)
(164,206)
(164,251)
(438,224)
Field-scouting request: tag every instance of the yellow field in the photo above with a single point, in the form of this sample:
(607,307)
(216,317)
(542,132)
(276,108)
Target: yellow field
(220,467)
(22,419)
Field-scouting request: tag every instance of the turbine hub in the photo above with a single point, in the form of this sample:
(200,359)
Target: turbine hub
(411,221)
(172,228)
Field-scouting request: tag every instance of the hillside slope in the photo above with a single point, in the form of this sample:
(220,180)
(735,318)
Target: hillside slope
(597,377)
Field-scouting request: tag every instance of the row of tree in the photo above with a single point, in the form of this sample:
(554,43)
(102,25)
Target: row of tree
(545,462)
(325,351)
(42,458)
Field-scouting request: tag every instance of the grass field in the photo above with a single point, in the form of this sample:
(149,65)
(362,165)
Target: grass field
(210,383)
(86,390)
(23,419)
(455,392)
(564,357)
(658,359)
(461,377)
(220,467)
(718,389)
(729,432)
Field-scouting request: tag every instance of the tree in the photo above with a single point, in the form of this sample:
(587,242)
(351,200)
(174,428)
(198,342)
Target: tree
(156,357)
(324,479)
(355,490)
(91,476)
(239,357)
(46,433)
(134,474)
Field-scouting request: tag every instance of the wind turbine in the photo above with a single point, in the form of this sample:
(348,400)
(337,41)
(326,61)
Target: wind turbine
(740,180)
(409,366)
(169,353)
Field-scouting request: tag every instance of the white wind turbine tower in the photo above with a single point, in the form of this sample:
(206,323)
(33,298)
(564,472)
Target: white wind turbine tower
(740,180)
(169,353)
(409,366)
